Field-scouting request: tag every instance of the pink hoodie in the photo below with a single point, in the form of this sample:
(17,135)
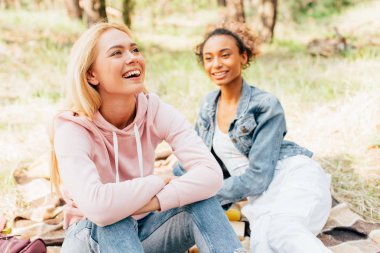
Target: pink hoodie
(87,150)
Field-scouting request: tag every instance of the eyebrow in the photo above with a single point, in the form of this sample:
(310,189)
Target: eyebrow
(121,46)
(221,50)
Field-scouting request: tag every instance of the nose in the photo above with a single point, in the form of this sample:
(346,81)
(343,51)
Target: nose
(217,62)
(130,57)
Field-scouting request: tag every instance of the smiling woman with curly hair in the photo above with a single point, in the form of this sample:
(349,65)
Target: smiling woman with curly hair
(288,193)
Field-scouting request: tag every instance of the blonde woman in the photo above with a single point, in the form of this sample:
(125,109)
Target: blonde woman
(104,153)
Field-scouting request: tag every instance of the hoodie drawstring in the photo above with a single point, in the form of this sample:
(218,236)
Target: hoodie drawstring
(139,149)
(116,151)
(139,152)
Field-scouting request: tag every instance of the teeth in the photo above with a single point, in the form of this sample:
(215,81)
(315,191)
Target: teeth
(219,73)
(131,73)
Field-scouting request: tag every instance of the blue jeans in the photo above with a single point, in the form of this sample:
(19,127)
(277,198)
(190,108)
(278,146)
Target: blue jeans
(202,223)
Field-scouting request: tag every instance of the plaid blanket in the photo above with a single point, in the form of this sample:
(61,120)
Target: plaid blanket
(345,230)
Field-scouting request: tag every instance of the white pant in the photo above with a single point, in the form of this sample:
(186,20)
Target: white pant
(295,207)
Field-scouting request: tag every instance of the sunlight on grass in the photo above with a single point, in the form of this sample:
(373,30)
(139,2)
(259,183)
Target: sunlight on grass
(331,104)
(8,193)
(45,20)
(361,194)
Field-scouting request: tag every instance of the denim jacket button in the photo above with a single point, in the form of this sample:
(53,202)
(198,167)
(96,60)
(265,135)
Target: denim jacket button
(234,140)
(244,130)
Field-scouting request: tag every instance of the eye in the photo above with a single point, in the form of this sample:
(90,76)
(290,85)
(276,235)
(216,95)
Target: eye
(225,55)
(207,58)
(116,52)
(135,50)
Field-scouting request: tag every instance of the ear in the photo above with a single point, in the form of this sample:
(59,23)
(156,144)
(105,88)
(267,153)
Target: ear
(244,58)
(91,77)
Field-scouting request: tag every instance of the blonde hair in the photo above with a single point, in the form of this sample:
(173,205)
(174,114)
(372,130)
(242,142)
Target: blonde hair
(81,97)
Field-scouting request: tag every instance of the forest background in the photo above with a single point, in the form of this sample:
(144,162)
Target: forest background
(320,58)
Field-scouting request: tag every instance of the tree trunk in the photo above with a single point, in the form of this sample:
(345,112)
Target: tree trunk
(267,19)
(10,4)
(222,3)
(235,10)
(73,9)
(95,11)
(128,7)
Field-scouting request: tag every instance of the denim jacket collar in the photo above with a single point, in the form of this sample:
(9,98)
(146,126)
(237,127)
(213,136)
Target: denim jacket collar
(244,100)
(212,102)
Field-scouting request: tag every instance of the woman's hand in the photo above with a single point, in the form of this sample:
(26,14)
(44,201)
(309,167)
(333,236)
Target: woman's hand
(152,205)
(166,177)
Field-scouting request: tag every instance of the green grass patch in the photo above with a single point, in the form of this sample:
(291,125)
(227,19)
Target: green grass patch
(8,193)
(361,194)
(289,46)
(318,10)
(367,52)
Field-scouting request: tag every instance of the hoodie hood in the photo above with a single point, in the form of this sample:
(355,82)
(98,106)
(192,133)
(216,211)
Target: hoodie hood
(116,136)
(142,104)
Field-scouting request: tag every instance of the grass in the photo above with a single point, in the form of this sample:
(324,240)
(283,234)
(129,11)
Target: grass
(9,195)
(361,194)
(331,104)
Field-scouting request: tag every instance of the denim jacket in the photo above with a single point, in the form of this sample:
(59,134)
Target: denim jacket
(257,132)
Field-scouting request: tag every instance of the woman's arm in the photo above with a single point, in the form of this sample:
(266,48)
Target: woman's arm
(203,178)
(154,204)
(102,203)
(263,155)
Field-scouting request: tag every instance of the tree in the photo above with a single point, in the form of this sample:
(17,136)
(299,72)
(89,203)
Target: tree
(267,14)
(222,3)
(235,10)
(95,11)
(73,9)
(128,7)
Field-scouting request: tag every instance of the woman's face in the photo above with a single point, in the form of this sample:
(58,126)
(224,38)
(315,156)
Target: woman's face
(222,61)
(119,67)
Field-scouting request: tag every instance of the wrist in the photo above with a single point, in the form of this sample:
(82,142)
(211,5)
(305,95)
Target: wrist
(156,203)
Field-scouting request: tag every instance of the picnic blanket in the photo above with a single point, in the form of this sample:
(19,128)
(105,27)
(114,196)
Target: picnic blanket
(345,230)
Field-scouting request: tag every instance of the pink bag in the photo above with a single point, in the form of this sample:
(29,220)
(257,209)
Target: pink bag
(12,244)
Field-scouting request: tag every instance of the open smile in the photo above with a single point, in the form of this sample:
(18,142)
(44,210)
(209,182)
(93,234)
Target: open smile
(132,74)
(219,74)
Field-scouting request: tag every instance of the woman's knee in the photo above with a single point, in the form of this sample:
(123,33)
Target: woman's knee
(121,236)
(210,204)
(294,236)
(282,230)
(78,238)
(126,226)
(128,223)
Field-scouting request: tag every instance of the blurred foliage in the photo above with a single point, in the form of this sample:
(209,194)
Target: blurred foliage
(298,9)
(28,4)
(177,5)
(166,6)
(318,9)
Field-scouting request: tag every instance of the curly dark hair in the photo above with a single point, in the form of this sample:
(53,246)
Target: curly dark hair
(246,40)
